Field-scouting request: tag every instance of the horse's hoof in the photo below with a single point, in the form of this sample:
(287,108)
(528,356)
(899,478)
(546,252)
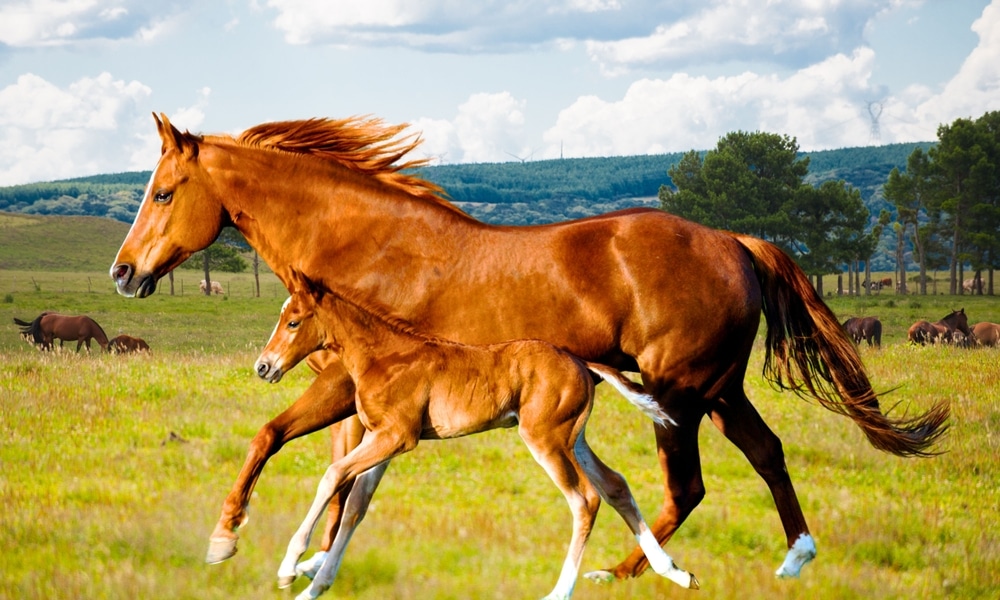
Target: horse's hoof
(600,577)
(285,581)
(694,585)
(220,549)
(310,566)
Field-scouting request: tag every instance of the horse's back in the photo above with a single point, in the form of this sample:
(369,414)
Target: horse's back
(986,333)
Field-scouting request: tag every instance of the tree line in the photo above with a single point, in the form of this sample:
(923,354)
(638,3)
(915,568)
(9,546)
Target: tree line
(942,211)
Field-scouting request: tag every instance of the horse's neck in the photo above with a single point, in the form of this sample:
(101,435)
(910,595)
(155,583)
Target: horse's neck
(298,208)
(359,335)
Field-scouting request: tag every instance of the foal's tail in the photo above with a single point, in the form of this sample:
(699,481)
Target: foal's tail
(808,352)
(633,392)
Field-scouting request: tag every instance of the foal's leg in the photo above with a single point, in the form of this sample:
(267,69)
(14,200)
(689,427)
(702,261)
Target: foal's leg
(742,425)
(550,450)
(345,436)
(378,446)
(330,398)
(683,487)
(615,491)
(326,569)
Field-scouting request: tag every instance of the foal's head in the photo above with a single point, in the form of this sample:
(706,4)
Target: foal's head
(297,334)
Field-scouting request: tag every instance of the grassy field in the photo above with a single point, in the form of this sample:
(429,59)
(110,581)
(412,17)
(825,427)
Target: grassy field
(99,498)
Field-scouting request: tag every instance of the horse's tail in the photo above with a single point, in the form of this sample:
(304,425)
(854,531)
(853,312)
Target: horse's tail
(877,332)
(633,392)
(22,323)
(808,352)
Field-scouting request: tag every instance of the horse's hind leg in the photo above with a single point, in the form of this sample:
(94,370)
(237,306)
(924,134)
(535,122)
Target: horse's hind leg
(684,488)
(546,446)
(614,489)
(739,421)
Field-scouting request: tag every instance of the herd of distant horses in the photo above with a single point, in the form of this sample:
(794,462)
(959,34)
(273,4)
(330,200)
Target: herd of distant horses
(953,328)
(48,327)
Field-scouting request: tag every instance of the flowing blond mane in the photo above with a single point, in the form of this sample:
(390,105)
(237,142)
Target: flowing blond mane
(363,144)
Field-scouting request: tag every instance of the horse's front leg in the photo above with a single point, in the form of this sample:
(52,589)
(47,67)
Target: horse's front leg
(377,447)
(329,399)
(327,564)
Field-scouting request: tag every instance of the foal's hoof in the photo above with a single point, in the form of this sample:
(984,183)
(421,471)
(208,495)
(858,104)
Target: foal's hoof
(285,581)
(220,549)
(600,577)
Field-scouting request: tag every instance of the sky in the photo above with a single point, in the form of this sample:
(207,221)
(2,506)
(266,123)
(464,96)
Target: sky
(487,81)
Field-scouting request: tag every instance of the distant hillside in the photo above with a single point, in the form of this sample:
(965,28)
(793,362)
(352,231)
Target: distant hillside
(47,243)
(511,193)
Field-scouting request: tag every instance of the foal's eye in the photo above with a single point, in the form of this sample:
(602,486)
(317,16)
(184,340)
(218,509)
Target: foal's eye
(162,197)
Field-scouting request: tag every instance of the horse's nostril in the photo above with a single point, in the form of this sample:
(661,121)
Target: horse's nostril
(121,272)
(261,369)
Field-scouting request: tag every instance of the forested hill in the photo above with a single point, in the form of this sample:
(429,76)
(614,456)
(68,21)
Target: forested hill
(512,193)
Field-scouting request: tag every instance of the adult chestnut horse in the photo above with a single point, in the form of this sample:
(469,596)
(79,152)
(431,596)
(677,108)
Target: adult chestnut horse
(49,326)
(638,290)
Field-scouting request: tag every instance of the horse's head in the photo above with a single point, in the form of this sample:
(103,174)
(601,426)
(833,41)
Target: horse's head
(297,334)
(958,320)
(180,214)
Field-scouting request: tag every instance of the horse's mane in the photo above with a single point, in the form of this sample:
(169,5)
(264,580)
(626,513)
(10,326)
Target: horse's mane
(363,144)
(378,312)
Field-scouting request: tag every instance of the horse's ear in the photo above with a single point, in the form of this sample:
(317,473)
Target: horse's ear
(172,138)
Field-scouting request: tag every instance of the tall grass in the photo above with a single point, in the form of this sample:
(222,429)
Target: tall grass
(113,470)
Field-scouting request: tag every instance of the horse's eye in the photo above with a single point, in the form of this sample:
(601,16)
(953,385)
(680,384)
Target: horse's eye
(293,324)
(162,197)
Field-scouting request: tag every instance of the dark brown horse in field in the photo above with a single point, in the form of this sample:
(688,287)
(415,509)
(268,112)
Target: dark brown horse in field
(127,344)
(942,331)
(986,333)
(864,328)
(639,290)
(49,326)
(413,387)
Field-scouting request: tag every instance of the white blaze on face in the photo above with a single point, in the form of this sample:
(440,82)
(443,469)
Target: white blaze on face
(281,317)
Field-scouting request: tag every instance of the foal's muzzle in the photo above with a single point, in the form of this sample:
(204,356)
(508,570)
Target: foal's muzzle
(268,372)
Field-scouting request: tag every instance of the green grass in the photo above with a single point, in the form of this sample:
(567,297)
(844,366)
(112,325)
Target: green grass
(96,501)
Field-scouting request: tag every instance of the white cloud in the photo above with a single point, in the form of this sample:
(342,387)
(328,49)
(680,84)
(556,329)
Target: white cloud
(787,32)
(487,128)
(36,23)
(822,106)
(86,128)
(975,89)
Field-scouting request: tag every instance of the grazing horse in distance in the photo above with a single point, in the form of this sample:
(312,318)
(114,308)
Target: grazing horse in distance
(217,288)
(49,326)
(678,302)
(864,328)
(986,333)
(413,387)
(127,344)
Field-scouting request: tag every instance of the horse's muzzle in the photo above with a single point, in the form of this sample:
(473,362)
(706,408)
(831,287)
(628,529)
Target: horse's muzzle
(129,285)
(267,372)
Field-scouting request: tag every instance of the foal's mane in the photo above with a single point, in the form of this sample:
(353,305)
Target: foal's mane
(363,144)
(375,312)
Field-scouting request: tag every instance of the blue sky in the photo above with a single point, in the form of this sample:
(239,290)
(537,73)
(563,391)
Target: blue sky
(487,81)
